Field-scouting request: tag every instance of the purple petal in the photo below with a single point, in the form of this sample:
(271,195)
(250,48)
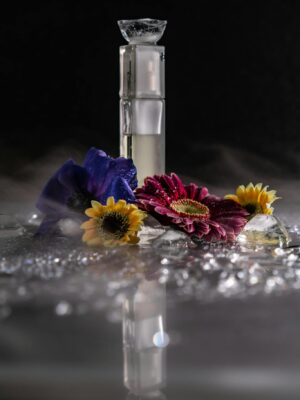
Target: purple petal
(74,177)
(119,189)
(48,226)
(126,169)
(54,194)
(103,170)
(91,155)
(98,167)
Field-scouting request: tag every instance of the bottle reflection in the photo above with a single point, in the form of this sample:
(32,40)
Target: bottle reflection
(145,341)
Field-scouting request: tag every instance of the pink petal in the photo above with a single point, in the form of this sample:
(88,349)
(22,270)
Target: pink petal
(165,211)
(179,187)
(202,227)
(202,193)
(188,228)
(191,190)
(168,185)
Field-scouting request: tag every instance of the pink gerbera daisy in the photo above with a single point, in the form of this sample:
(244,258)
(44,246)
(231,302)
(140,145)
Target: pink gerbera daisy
(191,208)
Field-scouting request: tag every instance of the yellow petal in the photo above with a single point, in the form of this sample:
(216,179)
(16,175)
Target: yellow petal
(91,223)
(120,204)
(98,207)
(89,235)
(91,212)
(97,241)
(125,238)
(134,221)
(232,197)
(134,239)
(110,201)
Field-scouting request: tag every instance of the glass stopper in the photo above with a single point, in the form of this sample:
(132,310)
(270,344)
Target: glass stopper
(142,31)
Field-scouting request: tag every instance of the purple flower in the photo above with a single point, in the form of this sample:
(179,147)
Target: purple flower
(191,208)
(69,192)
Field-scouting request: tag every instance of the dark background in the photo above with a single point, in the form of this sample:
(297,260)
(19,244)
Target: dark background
(232,71)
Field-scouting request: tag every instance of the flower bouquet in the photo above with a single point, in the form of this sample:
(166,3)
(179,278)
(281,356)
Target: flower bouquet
(103,196)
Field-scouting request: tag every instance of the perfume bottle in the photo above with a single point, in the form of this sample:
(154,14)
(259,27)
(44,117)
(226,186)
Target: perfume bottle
(142,93)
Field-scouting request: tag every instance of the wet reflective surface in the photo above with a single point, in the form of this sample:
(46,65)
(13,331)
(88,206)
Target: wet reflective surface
(168,319)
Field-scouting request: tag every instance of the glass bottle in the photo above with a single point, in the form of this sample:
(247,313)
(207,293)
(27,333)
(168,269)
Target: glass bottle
(142,93)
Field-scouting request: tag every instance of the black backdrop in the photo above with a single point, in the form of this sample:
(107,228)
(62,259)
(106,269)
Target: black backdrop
(232,71)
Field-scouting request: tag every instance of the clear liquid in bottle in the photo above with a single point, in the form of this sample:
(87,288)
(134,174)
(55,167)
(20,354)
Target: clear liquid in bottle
(148,153)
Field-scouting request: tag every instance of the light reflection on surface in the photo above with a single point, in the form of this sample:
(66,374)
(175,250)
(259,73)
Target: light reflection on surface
(145,339)
(232,318)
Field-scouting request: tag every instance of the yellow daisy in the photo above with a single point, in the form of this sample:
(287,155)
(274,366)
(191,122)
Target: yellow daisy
(255,199)
(112,224)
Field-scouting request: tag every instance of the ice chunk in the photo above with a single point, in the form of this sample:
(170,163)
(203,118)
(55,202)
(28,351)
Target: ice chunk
(149,233)
(173,245)
(264,230)
(173,239)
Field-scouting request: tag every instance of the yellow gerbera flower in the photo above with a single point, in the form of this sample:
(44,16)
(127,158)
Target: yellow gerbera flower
(112,224)
(255,199)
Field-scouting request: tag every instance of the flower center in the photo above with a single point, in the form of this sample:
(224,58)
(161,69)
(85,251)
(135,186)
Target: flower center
(252,208)
(190,208)
(79,201)
(113,225)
